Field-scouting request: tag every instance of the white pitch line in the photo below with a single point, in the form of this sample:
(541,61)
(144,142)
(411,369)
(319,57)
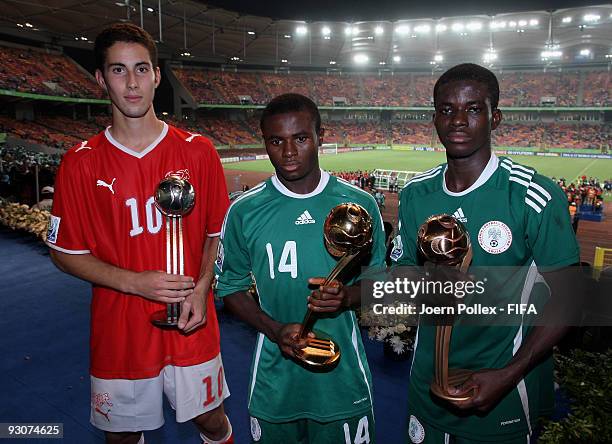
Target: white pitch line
(579,175)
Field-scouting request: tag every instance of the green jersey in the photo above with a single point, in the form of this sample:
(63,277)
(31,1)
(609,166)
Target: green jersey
(515,218)
(276,237)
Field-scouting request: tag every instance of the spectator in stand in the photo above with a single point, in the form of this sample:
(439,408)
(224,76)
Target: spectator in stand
(46,201)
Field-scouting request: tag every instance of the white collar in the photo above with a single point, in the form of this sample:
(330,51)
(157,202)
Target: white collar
(287,192)
(488,171)
(130,151)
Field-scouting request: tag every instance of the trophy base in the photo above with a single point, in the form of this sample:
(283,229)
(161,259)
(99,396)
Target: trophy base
(160,319)
(455,377)
(320,353)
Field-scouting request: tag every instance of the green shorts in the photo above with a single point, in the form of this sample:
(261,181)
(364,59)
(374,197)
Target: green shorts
(420,432)
(356,430)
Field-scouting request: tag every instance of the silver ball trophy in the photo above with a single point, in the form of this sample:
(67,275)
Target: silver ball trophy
(174,197)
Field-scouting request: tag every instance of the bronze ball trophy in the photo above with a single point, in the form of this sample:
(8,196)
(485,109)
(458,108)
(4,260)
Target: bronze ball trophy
(347,233)
(443,240)
(174,197)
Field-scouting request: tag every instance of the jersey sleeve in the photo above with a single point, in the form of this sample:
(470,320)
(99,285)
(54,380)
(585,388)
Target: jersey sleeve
(67,222)
(233,264)
(377,257)
(217,197)
(404,244)
(549,230)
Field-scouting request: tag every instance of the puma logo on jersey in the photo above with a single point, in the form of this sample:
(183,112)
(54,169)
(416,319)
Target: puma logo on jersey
(101,183)
(459,215)
(304,218)
(83,146)
(191,137)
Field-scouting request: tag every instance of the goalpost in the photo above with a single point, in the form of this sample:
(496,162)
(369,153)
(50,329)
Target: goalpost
(383,178)
(329,148)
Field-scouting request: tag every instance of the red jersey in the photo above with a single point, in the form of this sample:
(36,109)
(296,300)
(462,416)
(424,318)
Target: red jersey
(104,205)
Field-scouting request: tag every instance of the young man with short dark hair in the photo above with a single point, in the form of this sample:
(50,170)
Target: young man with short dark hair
(106,229)
(515,218)
(273,234)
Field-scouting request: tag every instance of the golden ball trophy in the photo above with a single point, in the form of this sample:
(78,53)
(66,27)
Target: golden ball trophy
(443,240)
(174,197)
(348,234)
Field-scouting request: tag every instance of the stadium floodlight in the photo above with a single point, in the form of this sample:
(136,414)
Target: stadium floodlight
(397,58)
(534,22)
(489,56)
(150,9)
(554,54)
(567,20)
(332,62)
(457,27)
(441,28)
(301,30)
(382,63)
(251,32)
(284,61)
(326,31)
(83,38)
(422,29)
(21,26)
(474,26)
(591,17)
(29,25)
(361,58)
(379,30)
(349,30)
(438,58)
(608,56)
(585,52)
(511,24)
(287,36)
(522,23)
(234,59)
(402,29)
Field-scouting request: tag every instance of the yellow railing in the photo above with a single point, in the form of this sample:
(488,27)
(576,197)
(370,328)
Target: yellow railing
(602,259)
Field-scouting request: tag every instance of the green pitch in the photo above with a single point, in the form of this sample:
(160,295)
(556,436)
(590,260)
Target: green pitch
(421,161)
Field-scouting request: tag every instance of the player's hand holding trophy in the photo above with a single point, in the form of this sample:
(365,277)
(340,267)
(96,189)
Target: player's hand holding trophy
(444,241)
(175,198)
(348,236)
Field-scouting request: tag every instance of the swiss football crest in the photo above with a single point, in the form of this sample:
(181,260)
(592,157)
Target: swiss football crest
(102,404)
(495,237)
(181,174)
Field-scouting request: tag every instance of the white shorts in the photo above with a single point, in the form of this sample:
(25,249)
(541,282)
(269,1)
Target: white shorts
(134,405)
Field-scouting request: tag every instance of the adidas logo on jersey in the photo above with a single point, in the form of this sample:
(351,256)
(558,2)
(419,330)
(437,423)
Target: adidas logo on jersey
(459,215)
(304,218)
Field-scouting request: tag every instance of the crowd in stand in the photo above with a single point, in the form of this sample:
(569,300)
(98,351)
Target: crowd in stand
(18,173)
(529,88)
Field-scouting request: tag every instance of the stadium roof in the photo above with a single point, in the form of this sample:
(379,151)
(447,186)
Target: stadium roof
(194,31)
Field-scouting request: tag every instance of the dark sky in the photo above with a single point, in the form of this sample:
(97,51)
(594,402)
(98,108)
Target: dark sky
(355,10)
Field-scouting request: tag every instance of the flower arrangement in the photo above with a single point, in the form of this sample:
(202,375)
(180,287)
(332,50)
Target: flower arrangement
(396,332)
(399,337)
(21,217)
